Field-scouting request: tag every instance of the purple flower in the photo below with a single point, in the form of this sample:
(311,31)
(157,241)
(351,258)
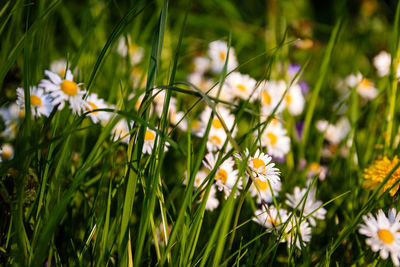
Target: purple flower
(279,159)
(299,128)
(293,69)
(304,87)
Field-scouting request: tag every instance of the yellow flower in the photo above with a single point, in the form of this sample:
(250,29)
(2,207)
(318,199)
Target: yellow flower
(377,172)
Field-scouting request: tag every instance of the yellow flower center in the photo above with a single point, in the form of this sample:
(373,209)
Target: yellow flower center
(241,87)
(149,135)
(133,49)
(314,167)
(196,125)
(222,56)
(272,138)
(215,140)
(222,175)
(288,99)
(6,153)
(272,221)
(36,101)
(257,163)
(365,84)
(69,87)
(93,105)
(261,184)
(198,180)
(216,124)
(266,98)
(386,236)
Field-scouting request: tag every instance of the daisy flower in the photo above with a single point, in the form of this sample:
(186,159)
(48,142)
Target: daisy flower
(59,67)
(198,80)
(271,219)
(261,189)
(212,201)
(334,133)
(377,172)
(382,63)
(242,86)
(216,124)
(294,100)
(317,169)
(383,234)
(94,102)
(275,139)
(11,116)
(297,234)
(149,138)
(62,90)
(6,152)
(162,235)
(353,80)
(261,166)
(270,93)
(121,131)
(216,140)
(367,89)
(40,102)
(134,52)
(311,206)
(201,64)
(218,51)
(225,177)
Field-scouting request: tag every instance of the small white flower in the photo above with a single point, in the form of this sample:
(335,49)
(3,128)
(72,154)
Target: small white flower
(270,93)
(40,102)
(216,125)
(311,206)
(275,139)
(353,80)
(218,51)
(317,169)
(121,131)
(334,133)
(294,100)
(212,201)
(94,102)
(367,89)
(198,80)
(11,116)
(383,234)
(225,177)
(149,138)
(59,67)
(216,140)
(62,90)
(242,86)
(271,219)
(6,152)
(134,52)
(261,166)
(382,63)
(297,234)
(201,64)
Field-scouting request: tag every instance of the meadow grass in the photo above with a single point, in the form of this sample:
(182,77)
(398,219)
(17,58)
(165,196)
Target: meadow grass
(80,193)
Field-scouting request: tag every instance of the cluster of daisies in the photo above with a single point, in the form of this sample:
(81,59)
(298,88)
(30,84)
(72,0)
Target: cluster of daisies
(272,97)
(60,90)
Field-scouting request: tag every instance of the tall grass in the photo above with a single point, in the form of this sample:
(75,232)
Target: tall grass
(74,196)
